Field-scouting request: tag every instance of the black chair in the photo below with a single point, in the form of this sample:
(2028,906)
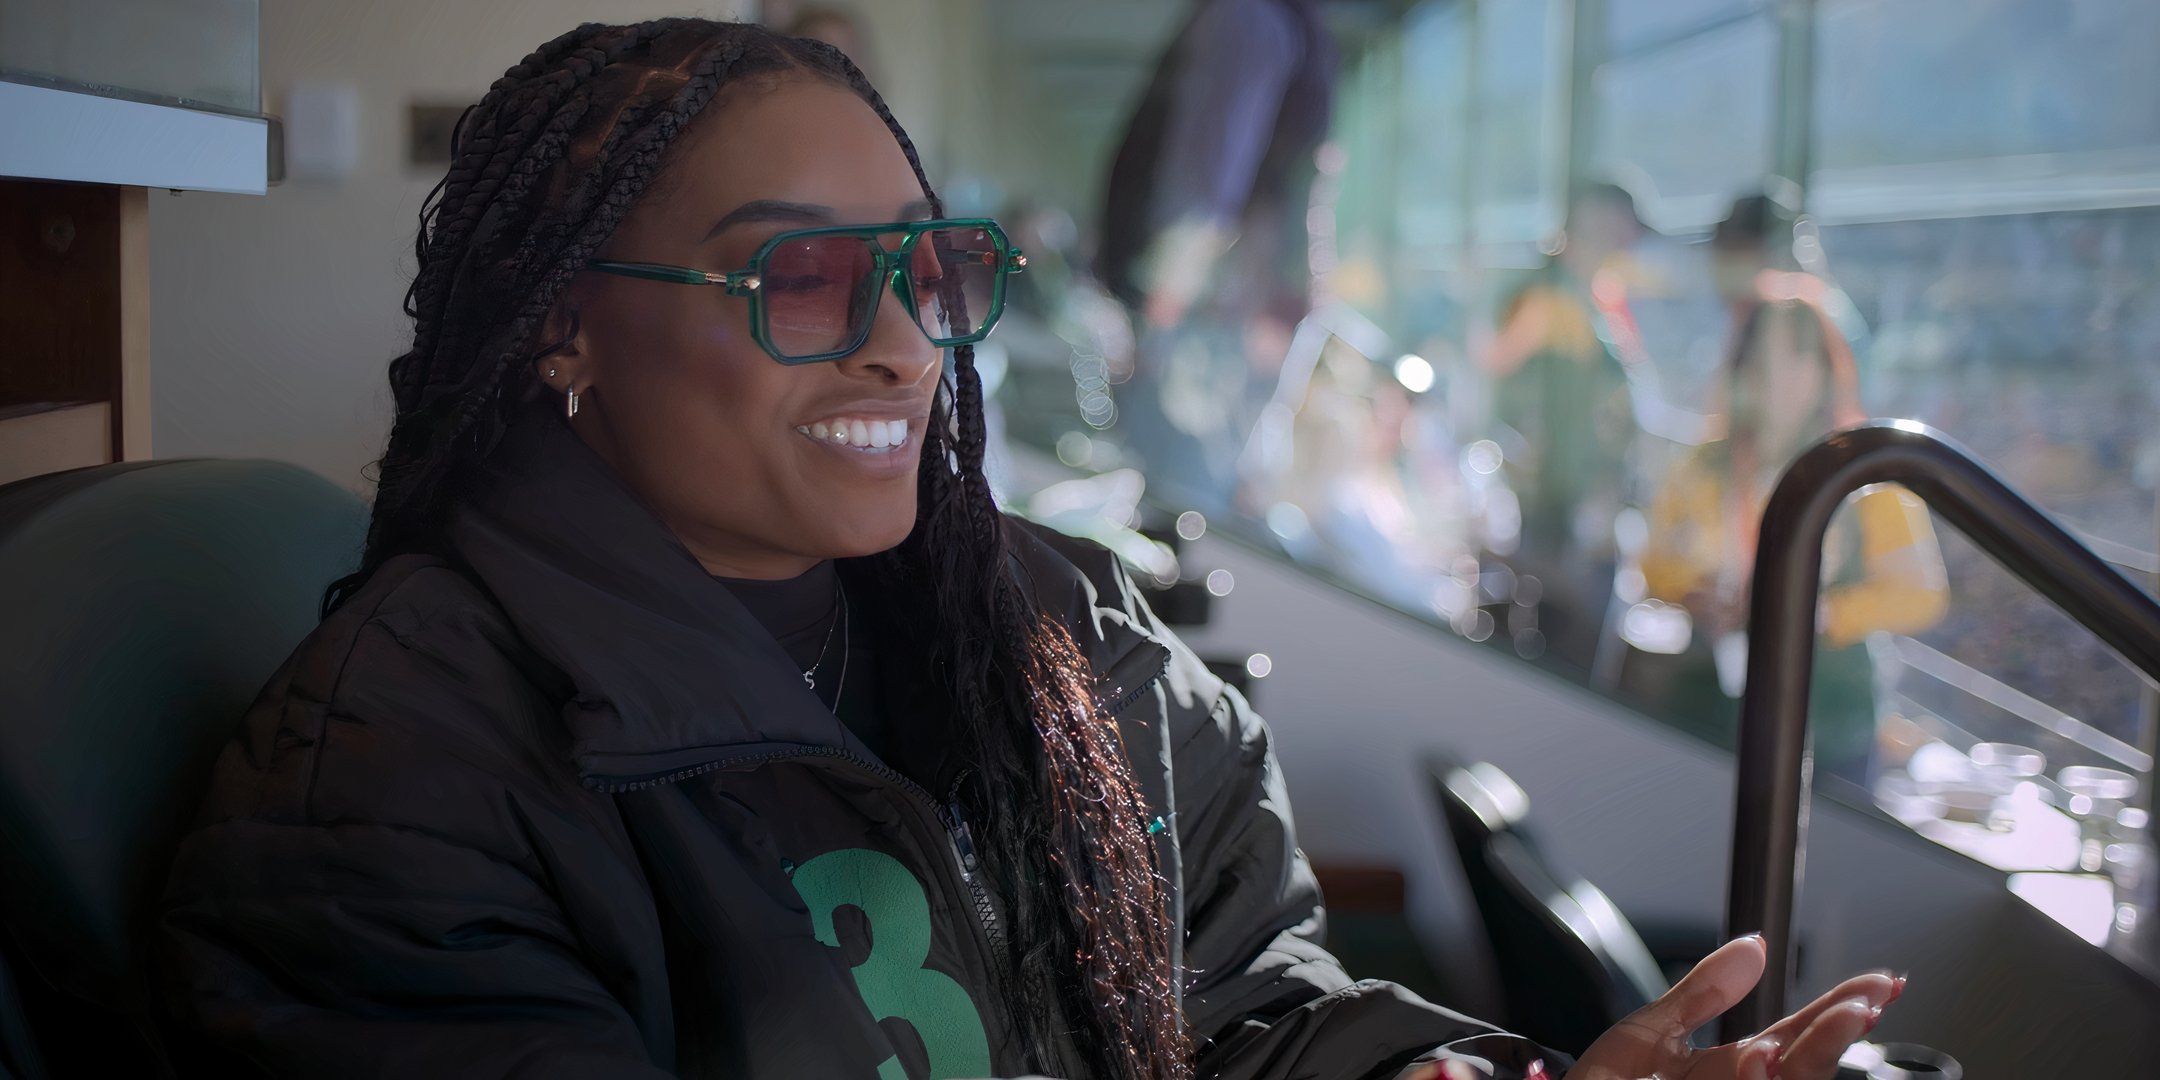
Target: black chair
(146,603)
(1569,964)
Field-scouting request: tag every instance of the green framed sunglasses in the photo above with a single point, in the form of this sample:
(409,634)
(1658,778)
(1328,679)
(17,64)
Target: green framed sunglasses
(814,293)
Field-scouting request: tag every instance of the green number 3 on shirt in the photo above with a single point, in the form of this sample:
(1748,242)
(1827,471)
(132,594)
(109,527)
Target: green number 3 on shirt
(892,980)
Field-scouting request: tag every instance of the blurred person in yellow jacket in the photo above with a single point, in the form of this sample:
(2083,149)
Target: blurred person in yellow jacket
(1789,379)
(1560,396)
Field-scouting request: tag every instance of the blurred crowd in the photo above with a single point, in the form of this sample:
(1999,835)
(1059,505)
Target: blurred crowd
(1574,468)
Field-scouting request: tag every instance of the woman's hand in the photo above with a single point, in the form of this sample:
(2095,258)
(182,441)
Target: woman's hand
(1653,1042)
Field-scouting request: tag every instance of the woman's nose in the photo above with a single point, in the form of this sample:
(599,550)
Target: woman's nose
(897,350)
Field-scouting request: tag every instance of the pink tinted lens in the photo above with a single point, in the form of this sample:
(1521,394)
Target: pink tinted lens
(956,272)
(818,292)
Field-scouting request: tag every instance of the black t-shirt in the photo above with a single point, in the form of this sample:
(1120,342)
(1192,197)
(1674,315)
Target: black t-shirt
(804,615)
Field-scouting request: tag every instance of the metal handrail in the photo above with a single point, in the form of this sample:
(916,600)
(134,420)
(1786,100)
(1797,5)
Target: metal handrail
(1773,766)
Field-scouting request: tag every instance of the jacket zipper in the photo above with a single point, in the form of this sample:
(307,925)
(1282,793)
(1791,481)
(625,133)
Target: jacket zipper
(1111,699)
(963,841)
(1115,692)
(957,833)
(1131,677)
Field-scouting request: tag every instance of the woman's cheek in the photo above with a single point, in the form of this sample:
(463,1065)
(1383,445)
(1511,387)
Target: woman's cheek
(723,336)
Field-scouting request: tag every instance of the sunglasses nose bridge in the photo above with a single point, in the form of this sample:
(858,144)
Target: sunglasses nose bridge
(889,270)
(892,273)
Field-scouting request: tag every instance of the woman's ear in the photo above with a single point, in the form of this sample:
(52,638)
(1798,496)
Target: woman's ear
(563,362)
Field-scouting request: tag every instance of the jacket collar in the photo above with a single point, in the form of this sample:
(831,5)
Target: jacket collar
(662,658)
(668,670)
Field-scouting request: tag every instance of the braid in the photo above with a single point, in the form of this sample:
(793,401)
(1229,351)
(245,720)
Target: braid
(1112,920)
(497,165)
(507,185)
(545,166)
(972,445)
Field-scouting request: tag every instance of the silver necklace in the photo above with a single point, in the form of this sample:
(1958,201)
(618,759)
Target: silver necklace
(809,676)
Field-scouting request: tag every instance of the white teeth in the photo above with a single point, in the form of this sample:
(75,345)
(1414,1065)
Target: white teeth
(865,434)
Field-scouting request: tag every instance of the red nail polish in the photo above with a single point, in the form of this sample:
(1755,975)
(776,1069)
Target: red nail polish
(1897,988)
(1776,1062)
(1874,1017)
(1536,1071)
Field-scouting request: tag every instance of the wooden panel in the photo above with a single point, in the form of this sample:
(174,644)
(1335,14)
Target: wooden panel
(59,292)
(1361,888)
(75,314)
(131,427)
(37,441)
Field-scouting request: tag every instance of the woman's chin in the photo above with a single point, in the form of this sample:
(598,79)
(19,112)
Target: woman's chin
(870,530)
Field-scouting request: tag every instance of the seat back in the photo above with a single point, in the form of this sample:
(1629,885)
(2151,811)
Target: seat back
(145,605)
(19,1058)
(1570,965)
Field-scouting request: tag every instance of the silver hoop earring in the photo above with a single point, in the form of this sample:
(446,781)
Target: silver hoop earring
(571,409)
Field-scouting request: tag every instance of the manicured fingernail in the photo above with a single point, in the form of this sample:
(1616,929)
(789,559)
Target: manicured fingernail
(1776,1060)
(1897,988)
(1536,1071)
(1874,1017)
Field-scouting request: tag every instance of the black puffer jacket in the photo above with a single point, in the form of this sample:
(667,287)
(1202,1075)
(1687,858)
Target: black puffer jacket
(565,810)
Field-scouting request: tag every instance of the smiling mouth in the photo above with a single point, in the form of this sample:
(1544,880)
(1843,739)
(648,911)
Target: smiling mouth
(868,436)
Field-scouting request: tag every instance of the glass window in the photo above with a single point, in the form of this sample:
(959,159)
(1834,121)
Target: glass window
(1435,124)
(2030,338)
(1947,80)
(201,52)
(1518,79)
(1687,127)
(1632,24)
(1560,443)
(1960,150)
(1430,305)
(1359,189)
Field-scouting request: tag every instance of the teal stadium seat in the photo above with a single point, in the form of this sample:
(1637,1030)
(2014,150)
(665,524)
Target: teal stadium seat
(144,604)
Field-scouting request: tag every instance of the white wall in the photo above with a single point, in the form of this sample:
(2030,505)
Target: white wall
(273,318)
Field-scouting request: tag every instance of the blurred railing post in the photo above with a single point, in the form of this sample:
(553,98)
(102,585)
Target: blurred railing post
(1772,768)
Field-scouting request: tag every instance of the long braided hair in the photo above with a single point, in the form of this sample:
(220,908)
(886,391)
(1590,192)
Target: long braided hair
(546,165)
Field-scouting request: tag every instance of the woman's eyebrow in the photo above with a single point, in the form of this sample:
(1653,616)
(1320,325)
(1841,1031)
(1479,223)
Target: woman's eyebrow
(771,210)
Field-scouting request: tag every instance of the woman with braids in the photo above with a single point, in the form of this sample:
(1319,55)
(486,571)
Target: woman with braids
(694,711)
